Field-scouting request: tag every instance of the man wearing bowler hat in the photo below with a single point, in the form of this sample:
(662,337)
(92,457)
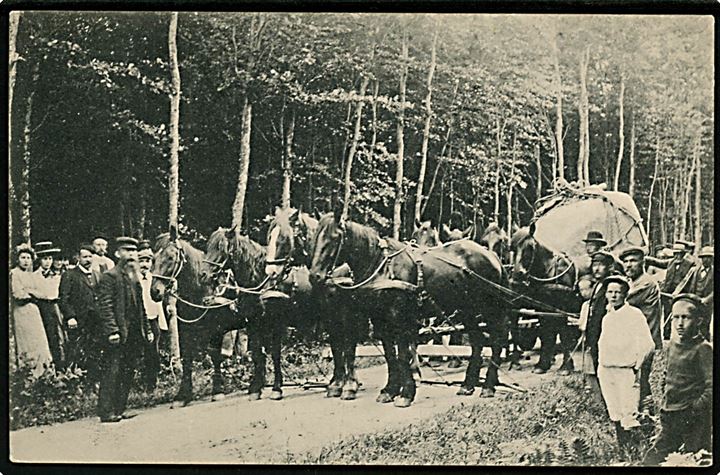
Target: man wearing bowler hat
(52,319)
(593,243)
(644,293)
(124,330)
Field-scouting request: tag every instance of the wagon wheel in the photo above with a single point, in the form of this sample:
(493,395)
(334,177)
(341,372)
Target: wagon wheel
(525,338)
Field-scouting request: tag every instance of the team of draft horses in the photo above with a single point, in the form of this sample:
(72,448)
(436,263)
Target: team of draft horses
(344,274)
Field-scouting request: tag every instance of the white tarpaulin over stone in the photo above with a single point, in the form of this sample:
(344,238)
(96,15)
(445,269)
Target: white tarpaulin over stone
(563,220)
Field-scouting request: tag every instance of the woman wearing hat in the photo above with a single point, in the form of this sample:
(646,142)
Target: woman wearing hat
(49,282)
(31,343)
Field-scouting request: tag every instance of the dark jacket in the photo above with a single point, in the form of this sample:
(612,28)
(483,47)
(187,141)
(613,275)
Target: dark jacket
(675,274)
(598,309)
(78,298)
(113,311)
(701,286)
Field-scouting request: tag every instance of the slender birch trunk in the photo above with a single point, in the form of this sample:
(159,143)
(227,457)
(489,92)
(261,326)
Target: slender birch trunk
(631,178)
(698,196)
(174,176)
(353,145)
(426,130)
(621,134)
(397,208)
(584,149)
(12,74)
(24,185)
(558,110)
(652,184)
(511,184)
(373,140)
(538,166)
(499,132)
(288,155)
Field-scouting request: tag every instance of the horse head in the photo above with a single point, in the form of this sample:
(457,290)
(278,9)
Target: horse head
(425,234)
(288,240)
(456,234)
(217,255)
(524,248)
(175,260)
(327,246)
(496,239)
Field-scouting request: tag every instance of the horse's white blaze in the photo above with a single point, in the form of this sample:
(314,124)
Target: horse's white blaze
(272,269)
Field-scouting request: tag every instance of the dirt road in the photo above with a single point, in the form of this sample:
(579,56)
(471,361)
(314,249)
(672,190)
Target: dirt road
(236,430)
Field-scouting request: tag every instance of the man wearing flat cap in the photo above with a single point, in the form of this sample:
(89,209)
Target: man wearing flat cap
(644,294)
(124,330)
(155,316)
(49,283)
(702,284)
(602,265)
(676,280)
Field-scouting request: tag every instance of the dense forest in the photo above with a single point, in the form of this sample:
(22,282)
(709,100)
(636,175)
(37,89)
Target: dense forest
(123,122)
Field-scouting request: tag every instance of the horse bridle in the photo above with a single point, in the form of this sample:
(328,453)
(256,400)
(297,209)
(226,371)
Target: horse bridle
(178,265)
(546,280)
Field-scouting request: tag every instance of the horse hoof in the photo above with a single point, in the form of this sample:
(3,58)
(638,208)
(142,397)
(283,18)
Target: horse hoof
(384,398)
(402,402)
(487,392)
(564,372)
(463,391)
(276,395)
(253,396)
(217,397)
(539,371)
(347,395)
(333,392)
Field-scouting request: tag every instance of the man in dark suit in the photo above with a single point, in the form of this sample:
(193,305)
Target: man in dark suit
(123,329)
(676,279)
(702,284)
(78,304)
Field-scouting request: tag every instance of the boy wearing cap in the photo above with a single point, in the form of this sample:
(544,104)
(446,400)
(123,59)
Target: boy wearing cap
(644,294)
(624,343)
(124,330)
(155,316)
(686,414)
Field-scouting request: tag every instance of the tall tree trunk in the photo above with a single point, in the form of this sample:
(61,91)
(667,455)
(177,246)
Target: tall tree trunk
(373,140)
(631,178)
(142,211)
(621,134)
(12,73)
(538,166)
(174,175)
(558,110)
(663,209)
(426,130)
(238,206)
(698,196)
(397,208)
(511,184)
(676,203)
(688,186)
(24,185)
(288,139)
(499,130)
(353,145)
(652,185)
(584,149)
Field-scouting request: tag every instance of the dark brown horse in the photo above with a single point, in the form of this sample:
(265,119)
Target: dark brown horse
(289,246)
(390,277)
(495,238)
(176,272)
(265,309)
(549,277)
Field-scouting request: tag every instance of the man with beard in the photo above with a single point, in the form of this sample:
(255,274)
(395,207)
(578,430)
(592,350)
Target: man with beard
(644,294)
(124,330)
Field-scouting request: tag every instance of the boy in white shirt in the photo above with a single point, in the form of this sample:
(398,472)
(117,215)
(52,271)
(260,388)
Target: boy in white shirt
(625,341)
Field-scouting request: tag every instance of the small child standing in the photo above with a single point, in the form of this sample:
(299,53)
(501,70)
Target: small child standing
(624,342)
(686,414)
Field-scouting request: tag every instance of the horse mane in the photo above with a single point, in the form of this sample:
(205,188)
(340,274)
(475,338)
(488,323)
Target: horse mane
(246,255)
(519,237)
(363,240)
(193,255)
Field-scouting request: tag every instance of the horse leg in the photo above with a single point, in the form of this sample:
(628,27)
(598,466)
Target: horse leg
(498,338)
(215,350)
(334,389)
(548,338)
(188,350)
(276,346)
(514,355)
(392,388)
(350,386)
(472,374)
(568,339)
(408,389)
(258,361)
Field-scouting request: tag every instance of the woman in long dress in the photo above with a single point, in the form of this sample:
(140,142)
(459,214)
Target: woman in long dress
(30,340)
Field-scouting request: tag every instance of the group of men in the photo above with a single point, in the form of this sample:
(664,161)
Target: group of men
(632,303)
(103,318)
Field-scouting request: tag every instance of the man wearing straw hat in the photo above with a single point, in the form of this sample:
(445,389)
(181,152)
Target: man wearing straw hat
(52,319)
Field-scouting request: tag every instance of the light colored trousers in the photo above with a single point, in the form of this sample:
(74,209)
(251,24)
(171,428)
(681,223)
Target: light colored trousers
(621,394)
